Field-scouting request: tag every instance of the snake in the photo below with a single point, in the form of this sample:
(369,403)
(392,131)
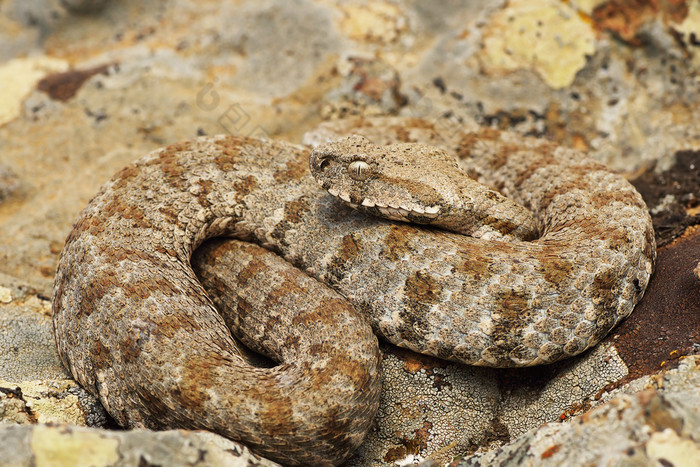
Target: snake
(497,250)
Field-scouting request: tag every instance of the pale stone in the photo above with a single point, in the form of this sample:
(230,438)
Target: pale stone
(547,36)
(19,77)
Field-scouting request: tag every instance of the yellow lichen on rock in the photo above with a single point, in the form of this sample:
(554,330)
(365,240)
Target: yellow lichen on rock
(547,36)
(48,401)
(374,22)
(691,25)
(5,293)
(586,6)
(72,448)
(51,402)
(19,77)
(667,445)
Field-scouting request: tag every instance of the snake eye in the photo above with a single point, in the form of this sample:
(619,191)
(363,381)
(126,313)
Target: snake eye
(358,170)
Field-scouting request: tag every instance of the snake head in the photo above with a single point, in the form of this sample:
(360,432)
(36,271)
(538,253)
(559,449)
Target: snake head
(407,182)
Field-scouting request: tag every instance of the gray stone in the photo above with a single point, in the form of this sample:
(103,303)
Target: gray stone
(44,445)
(657,425)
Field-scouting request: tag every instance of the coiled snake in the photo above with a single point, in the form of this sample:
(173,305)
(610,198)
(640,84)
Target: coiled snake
(135,327)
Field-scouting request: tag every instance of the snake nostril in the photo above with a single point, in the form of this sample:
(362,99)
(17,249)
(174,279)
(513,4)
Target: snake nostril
(637,288)
(323,163)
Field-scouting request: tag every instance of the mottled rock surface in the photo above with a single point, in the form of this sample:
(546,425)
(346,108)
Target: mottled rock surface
(52,445)
(89,86)
(651,421)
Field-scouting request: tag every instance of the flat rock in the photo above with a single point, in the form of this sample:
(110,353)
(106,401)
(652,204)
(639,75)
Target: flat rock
(50,445)
(651,421)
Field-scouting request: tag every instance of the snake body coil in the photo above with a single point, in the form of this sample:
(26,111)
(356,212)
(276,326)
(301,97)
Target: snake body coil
(135,327)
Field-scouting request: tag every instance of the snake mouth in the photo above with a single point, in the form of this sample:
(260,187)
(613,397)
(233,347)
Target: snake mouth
(400,211)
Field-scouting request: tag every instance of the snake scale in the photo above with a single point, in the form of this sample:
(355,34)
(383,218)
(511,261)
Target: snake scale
(135,327)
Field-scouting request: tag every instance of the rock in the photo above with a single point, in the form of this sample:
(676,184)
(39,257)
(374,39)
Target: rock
(9,182)
(50,401)
(27,348)
(45,445)
(84,6)
(651,421)
(20,77)
(431,409)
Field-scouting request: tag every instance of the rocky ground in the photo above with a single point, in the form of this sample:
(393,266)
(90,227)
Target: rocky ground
(88,86)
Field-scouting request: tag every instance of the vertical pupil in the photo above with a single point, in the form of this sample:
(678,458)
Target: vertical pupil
(358,170)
